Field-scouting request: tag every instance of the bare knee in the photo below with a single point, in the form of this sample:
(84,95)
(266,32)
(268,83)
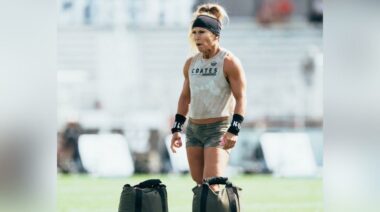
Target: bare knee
(197,179)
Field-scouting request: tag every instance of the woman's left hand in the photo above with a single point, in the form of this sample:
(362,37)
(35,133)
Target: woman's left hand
(228,140)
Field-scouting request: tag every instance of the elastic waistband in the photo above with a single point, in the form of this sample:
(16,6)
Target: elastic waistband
(210,124)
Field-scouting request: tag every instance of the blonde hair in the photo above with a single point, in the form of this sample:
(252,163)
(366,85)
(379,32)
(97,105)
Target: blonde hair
(213,10)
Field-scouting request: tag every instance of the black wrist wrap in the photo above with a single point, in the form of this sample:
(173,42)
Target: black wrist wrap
(235,124)
(178,123)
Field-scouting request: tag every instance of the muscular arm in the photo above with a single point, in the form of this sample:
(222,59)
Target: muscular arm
(235,74)
(184,98)
(183,106)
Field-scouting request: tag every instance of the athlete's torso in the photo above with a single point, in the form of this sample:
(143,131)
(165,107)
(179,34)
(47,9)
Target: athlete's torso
(211,96)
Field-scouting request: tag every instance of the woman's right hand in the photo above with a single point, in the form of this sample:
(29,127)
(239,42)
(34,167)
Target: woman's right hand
(176,141)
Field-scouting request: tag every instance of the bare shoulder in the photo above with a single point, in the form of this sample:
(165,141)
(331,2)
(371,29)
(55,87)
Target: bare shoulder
(187,66)
(188,62)
(232,64)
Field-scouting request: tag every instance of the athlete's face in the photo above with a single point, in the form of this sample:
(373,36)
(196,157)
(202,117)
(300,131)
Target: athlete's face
(204,39)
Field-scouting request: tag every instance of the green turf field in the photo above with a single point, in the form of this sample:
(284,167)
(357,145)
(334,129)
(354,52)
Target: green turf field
(79,193)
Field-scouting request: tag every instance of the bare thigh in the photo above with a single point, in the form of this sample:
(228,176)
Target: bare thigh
(196,161)
(215,162)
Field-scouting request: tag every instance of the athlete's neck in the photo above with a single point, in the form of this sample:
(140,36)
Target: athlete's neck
(211,52)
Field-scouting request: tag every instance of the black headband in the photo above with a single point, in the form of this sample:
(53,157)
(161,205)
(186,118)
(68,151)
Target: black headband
(209,23)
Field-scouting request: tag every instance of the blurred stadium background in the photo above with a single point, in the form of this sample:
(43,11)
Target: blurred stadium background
(119,77)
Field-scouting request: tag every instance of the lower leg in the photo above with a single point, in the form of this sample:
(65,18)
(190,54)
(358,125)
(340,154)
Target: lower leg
(215,163)
(195,159)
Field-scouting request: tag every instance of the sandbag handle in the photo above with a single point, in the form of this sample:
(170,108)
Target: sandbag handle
(149,183)
(138,201)
(217,180)
(204,195)
(163,198)
(232,199)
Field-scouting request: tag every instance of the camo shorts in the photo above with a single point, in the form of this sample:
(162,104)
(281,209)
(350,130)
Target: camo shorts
(205,135)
